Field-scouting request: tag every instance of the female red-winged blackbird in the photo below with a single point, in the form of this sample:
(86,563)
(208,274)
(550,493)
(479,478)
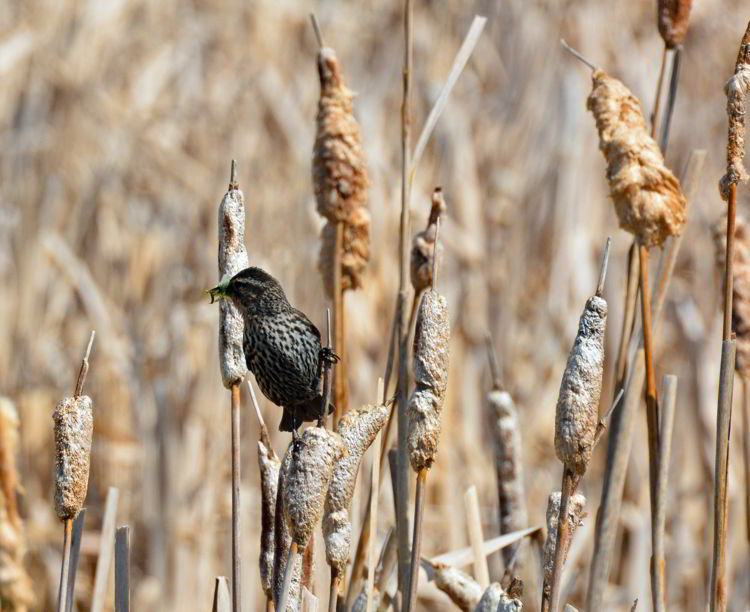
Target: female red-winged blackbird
(282,347)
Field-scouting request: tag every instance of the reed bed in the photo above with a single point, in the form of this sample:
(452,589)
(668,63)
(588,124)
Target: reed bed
(118,123)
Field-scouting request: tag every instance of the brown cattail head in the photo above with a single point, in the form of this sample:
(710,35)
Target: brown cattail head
(357,429)
(423,246)
(736,89)
(306,482)
(232,259)
(355,251)
(340,177)
(459,586)
(575,513)
(74,427)
(495,599)
(431,354)
(339,173)
(16,587)
(740,285)
(506,435)
(269,479)
(581,386)
(672,17)
(646,194)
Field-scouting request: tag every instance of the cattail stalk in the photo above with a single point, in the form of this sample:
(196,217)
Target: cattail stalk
(74,426)
(232,259)
(373,511)
(576,415)
(431,353)
(736,90)
(658,586)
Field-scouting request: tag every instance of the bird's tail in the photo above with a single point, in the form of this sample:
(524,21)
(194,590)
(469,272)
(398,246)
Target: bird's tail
(296,414)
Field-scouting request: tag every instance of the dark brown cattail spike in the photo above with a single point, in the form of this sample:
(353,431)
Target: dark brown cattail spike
(672,17)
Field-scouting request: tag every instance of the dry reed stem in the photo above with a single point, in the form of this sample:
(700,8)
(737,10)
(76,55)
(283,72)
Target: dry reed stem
(658,584)
(373,511)
(269,478)
(75,552)
(646,194)
(671,99)
(416,542)
(106,546)
(746,450)
(16,587)
(402,486)
(736,90)
(657,97)
(235,442)
(122,569)
(672,18)
(628,319)
(719,593)
(222,600)
(574,512)
(495,599)
(476,537)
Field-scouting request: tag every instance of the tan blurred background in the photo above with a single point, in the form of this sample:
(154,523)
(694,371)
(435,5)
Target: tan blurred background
(118,121)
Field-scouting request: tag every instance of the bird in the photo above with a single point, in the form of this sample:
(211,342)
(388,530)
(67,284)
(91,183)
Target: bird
(282,346)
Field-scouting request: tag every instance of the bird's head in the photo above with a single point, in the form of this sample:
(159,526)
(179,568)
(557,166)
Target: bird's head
(252,290)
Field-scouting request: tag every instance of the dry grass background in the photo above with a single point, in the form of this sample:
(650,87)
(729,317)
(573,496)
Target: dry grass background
(118,120)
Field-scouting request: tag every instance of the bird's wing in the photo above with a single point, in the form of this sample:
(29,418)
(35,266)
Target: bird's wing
(309,324)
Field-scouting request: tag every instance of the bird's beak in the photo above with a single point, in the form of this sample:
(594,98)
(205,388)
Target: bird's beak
(220,291)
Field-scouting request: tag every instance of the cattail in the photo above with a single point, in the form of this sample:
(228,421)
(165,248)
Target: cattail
(423,246)
(281,544)
(307,477)
(232,259)
(74,427)
(431,376)
(672,17)
(269,479)
(509,467)
(355,251)
(16,588)
(575,510)
(497,600)
(581,386)
(740,285)
(339,176)
(357,429)
(463,590)
(736,90)
(646,194)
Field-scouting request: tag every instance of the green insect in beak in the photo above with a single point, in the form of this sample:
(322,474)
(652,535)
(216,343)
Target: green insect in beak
(220,291)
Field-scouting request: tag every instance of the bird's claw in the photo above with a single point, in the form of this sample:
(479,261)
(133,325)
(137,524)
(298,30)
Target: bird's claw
(327,355)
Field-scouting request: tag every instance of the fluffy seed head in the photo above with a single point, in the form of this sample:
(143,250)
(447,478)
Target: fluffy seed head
(646,194)
(74,427)
(269,478)
(357,429)
(431,354)
(736,90)
(672,17)
(232,259)
(581,386)
(306,482)
(506,435)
